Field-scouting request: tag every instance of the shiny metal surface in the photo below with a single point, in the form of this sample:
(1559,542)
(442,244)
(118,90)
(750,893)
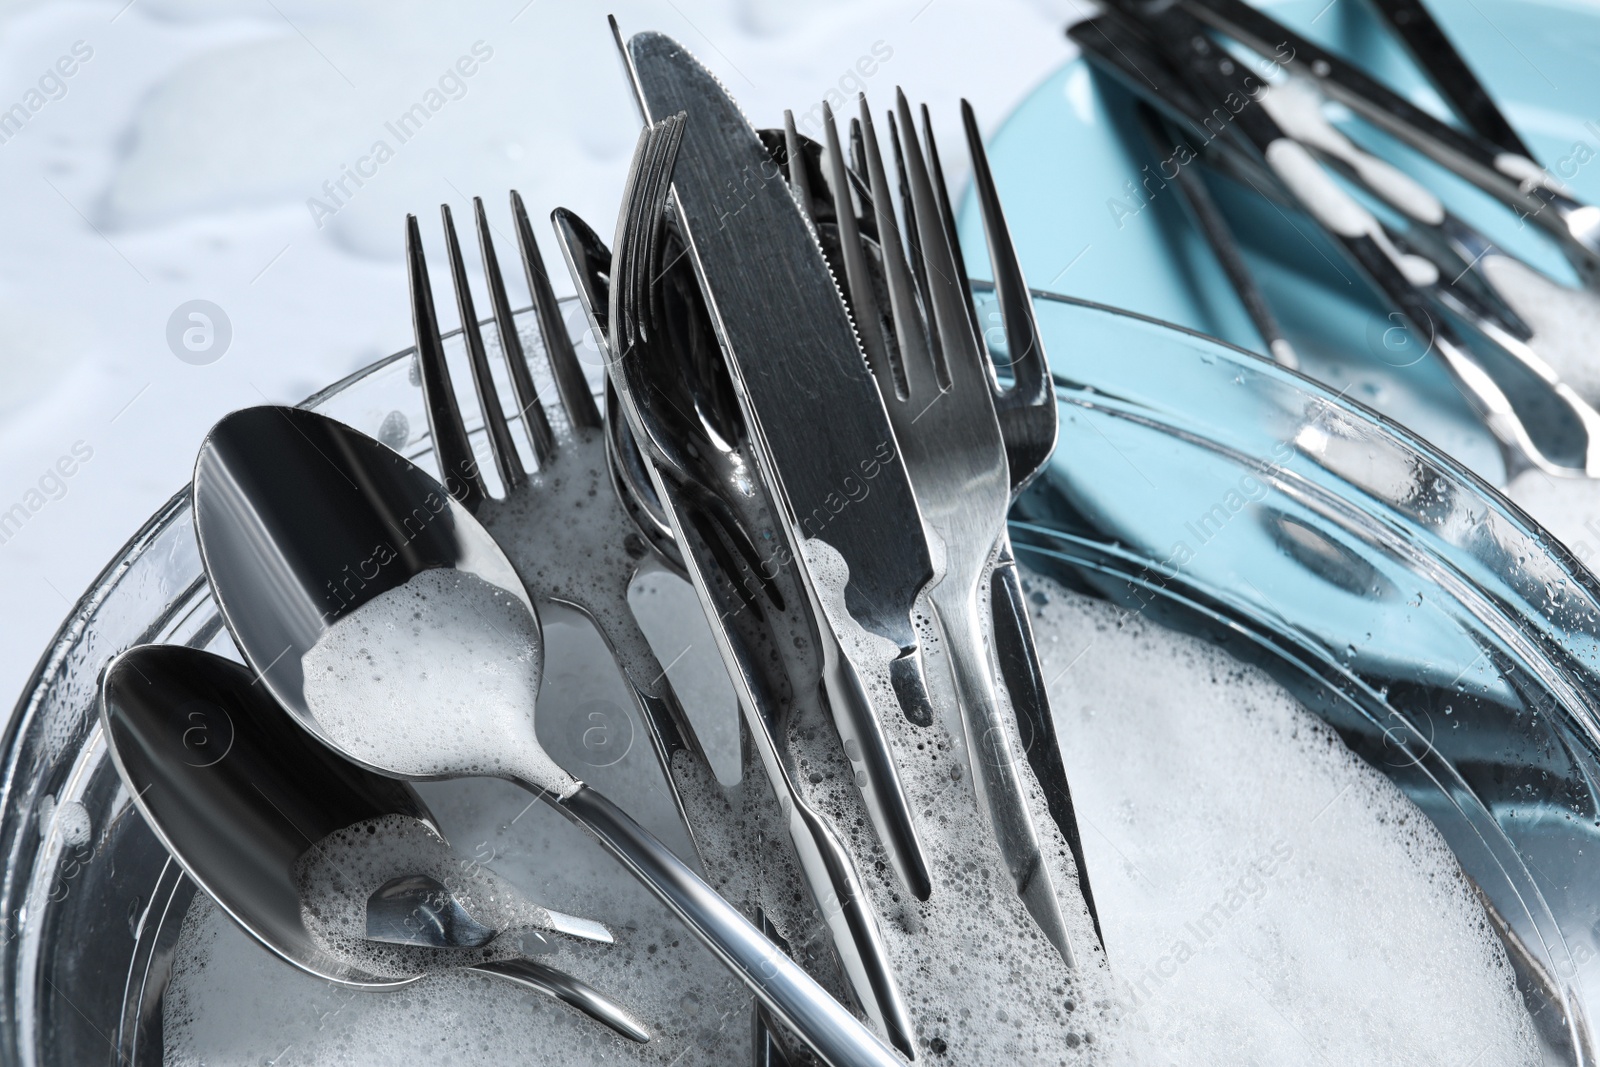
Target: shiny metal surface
(287,503)
(238,792)
(542,978)
(1539,423)
(1428,44)
(1024,404)
(937,385)
(415,909)
(664,366)
(1029,420)
(573,467)
(589,264)
(832,881)
(1479,161)
(795,362)
(819,438)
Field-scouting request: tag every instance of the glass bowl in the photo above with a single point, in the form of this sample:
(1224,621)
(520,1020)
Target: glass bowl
(1377,580)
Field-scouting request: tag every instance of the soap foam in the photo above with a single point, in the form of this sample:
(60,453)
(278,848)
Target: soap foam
(338,875)
(437,676)
(1266,897)
(982,983)
(1565,321)
(233,1004)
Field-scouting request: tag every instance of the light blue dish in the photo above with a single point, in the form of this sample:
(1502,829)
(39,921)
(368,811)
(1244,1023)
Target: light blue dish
(1062,164)
(1441,634)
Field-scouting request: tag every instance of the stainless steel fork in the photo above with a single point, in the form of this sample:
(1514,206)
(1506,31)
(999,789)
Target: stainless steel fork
(726,528)
(1026,409)
(1029,424)
(562,525)
(936,382)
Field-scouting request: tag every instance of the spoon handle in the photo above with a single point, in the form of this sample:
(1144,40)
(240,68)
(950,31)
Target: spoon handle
(569,990)
(777,981)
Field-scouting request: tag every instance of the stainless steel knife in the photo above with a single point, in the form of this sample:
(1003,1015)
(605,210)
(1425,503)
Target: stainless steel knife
(825,449)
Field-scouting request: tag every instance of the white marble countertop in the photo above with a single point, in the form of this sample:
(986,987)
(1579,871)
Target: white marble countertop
(158,152)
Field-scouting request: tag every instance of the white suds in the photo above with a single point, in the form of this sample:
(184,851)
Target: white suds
(340,873)
(438,676)
(982,983)
(1565,321)
(1266,896)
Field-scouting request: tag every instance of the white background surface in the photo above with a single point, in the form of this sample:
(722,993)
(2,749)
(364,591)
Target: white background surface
(176,163)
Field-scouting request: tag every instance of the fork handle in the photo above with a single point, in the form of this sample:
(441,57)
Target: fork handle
(1018,658)
(992,756)
(1448,70)
(837,1036)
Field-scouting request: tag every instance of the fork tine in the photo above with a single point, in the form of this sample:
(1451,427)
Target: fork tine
(1030,374)
(506,460)
(918,262)
(456,463)
(527,394)
(640,230)
(867,220)
(799,180)
(911,336)
(947,216)
(858,280)
(571,385)
(946,293)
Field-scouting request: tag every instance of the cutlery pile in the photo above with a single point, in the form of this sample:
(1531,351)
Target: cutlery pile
(803,418)
(1224,83)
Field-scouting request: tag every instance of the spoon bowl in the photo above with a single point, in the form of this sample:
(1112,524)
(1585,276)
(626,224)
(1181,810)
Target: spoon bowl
(239,793)
(333,557)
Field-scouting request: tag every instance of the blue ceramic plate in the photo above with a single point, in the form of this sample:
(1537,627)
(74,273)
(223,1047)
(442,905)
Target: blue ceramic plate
(1069,180)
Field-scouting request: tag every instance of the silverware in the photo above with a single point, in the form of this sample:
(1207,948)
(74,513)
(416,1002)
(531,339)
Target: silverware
(589,264)
(1512,404)
(824,863)
(668,378)
(415,909)
(238,793)
(1513,178)
(534,519)
(1449,72)
(824,446)
(1029,423)
(1213,226)
(302,524)
(1026,410)
(936,383)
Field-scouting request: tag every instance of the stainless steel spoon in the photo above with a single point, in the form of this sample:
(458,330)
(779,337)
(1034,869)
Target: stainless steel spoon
(302,523)
(238,793)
